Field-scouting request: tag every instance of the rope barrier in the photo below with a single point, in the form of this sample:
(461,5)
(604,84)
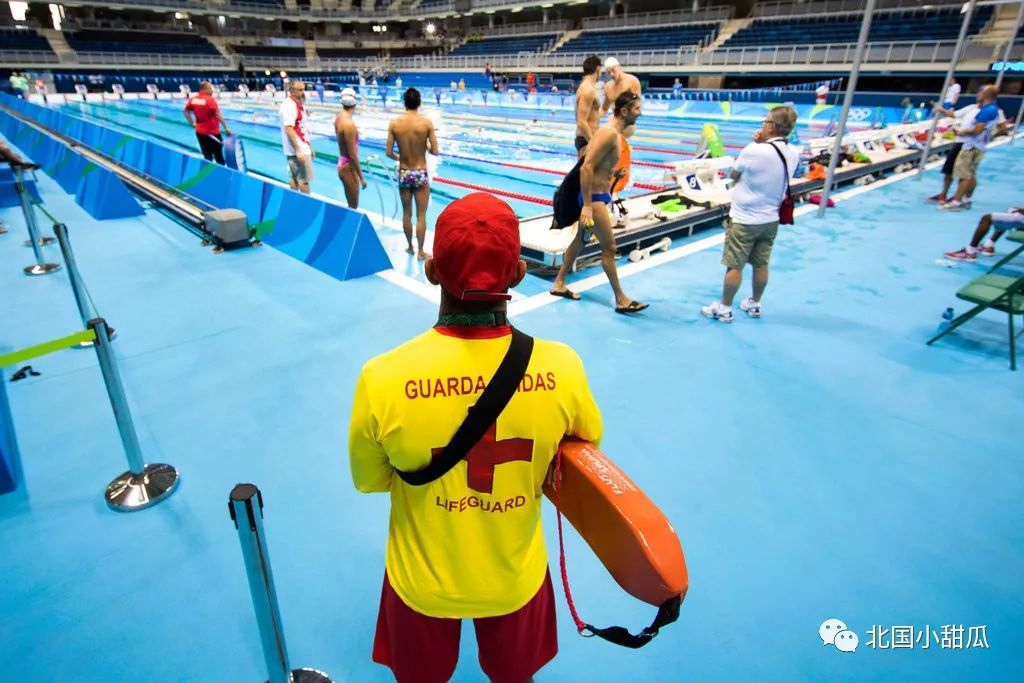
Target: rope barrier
(491,190)
(31,352)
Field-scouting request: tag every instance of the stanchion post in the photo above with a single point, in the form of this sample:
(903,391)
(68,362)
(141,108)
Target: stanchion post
(41,267)
(82,300)
(142,485)
(1009,46)
(968,12)
(851,87)
(1016,124)
(1002,70)
(246,507)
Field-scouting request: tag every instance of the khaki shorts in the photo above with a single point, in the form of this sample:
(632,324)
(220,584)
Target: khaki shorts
(300,170)
(966,166)
(748,244)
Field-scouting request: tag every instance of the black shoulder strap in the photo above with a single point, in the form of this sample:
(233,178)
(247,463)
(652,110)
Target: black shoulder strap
(482,414)
(784,165)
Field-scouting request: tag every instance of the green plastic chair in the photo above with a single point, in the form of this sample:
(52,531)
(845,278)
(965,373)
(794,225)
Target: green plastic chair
(1000,292)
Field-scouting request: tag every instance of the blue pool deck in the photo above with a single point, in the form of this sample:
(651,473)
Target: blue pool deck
(820,462)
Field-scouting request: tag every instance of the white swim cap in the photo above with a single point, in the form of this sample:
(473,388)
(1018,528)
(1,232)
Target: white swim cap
(610,62)
(348,97)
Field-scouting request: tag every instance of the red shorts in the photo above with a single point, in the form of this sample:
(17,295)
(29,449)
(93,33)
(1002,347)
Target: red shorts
(425,649)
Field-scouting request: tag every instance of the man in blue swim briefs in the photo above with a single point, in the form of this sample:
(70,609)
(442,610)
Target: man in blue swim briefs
(596,174)
(414,134)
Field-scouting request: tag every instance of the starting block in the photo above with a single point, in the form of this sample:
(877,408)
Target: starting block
(640,254)
(704,179)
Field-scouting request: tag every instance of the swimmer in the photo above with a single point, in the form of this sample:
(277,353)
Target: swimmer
(350,171)
(596,176)
(620,82)
(414,134)
(588,109)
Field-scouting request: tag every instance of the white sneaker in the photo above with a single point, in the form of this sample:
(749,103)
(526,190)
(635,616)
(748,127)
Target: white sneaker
(718,312)
(753,308)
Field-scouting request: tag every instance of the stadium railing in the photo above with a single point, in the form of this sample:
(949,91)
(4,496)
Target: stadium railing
(788,8)
(668,17)
(241,8)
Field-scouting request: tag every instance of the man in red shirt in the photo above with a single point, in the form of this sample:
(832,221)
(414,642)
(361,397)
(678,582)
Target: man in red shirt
(208,121)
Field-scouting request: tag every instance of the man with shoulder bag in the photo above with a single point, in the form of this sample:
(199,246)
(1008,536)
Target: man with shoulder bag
(463,444)
(761,200)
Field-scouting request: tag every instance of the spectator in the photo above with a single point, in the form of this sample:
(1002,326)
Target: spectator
(761,182)
(469,544)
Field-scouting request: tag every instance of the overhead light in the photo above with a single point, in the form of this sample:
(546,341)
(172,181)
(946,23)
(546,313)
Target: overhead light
(266,72)
(516,9)
(430,29)
(547,5)
(284,74)
(181,15)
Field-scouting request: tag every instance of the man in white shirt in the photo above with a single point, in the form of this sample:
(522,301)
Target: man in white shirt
(976,134)
(761,181)
(821,93)
(295,137)
(951,96)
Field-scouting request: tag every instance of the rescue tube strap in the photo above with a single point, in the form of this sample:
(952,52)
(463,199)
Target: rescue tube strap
(668,612)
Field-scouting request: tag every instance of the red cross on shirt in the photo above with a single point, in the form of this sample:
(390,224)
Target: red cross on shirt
(489,452)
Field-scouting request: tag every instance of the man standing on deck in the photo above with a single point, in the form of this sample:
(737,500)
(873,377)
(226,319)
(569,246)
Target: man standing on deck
(620,82)
(588,108)
(295,137)
(414,134)
(596,176)
(207,123)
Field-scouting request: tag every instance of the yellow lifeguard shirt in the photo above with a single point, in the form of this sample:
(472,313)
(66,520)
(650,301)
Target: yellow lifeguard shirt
(470,543)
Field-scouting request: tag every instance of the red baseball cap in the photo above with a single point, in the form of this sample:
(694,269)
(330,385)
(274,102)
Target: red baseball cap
(476,248)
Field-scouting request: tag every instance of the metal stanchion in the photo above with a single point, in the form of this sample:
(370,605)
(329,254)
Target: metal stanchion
(246,507)
(968,12)
(82,299)
(41,267)
(1009,47)
(142,485)
(851,87)
(1016,124)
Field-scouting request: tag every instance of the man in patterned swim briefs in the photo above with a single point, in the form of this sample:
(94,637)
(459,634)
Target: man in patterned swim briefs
(414,134)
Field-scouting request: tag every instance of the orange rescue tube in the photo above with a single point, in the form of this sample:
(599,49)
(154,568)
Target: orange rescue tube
(624,163)
(625,529)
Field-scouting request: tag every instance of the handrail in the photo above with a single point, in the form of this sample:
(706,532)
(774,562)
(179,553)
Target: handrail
(664,18)
(889,52)
(788,8)
(524,29)
(307,13)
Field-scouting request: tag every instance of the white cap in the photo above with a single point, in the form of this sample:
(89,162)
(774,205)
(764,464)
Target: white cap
(610,62)
(348,97)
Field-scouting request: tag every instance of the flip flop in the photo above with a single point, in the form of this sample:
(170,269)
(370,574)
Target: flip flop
(632,307)
(565,294)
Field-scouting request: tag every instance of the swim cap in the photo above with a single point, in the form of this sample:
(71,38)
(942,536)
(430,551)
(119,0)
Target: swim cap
(610,62)
(348,97)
